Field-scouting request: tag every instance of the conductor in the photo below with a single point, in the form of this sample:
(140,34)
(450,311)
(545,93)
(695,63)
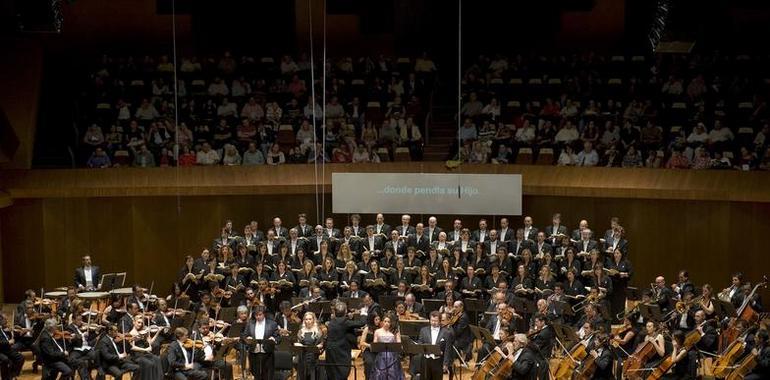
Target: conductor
(339,341)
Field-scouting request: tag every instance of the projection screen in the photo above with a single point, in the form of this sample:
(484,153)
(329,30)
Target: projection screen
(462,194)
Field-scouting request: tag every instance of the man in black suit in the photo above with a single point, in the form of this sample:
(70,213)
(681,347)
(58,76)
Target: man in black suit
(577,233)
(87,277)
(709,338)
(530,232)
(482,234)
(224,240)
(519,243)
(506,232)
(405,229)
(185,364)
(249,240)
(556,229)
(663,294)
(449,287)
(493,242)
(355,226)
(541,247)
(11,359)
(126,322)
(295,243)
(352,240)
(380,227)
(456,233)
(412,306)
(339,342)
(53,354)
(617,241)
(523,359)
(354,291)
(280,231)
(303,229)
(435,366)
(683,286)
(433,230)
(419,240)
(603,357)
(258,234)
(543,337)
(372,242)
(261,355)
(329,230)
(112,359)
(81,354)
(586,244)
(462,331)
(370,307)
(396,244)
(273,242)
(314,242)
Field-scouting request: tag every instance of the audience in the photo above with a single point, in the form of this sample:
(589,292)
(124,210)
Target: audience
(666,111)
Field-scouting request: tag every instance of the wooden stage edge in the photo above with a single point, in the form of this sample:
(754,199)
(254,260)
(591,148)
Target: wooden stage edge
(300,179)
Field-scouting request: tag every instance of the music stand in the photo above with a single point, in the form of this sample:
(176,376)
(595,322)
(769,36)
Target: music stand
(235,330)
(389,302)
(475,306)
(353,303)
(482,334)
(568,333)
(421,349)
(301,350)
(725,309)
(387,347)
(633,293)
(432,305)
(227,314)
(107,282)
(412,328)
(319,307)
(650,312)
(563,308)
(120,280)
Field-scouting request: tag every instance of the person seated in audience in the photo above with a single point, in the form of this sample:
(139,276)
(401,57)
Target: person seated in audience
(677,161)
(588,156)
(207,156)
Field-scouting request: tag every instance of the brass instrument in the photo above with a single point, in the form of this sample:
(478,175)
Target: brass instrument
(625,313)
(683,306)
(585,302)
(724,295)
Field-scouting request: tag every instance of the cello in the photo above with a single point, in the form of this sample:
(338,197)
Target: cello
(743,368)
(745,313)
(724,363)
(496,366)
(577,354)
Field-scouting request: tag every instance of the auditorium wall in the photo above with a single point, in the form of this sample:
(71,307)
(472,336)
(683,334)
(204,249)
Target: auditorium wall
(148,237)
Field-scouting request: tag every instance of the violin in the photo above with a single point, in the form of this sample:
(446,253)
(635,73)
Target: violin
(452,320)
(123,337)
(60,334)
(197,344)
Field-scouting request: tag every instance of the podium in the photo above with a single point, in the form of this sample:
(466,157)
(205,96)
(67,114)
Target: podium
(474,306)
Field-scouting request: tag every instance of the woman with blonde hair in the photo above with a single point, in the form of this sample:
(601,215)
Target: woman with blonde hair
(310,334)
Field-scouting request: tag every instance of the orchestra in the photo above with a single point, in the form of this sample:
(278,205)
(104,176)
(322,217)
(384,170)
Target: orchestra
(501,303)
